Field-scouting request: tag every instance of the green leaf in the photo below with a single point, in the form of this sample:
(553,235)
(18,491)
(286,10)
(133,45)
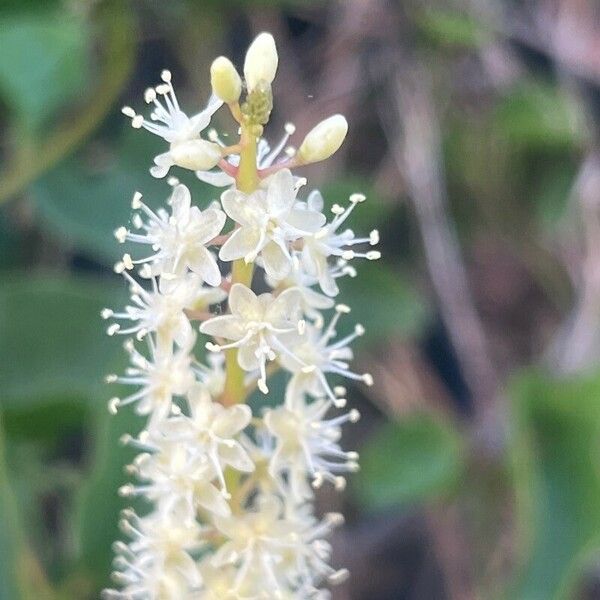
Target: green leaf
(86,197)
(453,29)
(43,63)
(556,458)
(416,459)
(20,574)
(99,503)
(52,343)
(383,300)
(537,115)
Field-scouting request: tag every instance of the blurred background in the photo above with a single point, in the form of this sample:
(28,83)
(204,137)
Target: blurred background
(475,135)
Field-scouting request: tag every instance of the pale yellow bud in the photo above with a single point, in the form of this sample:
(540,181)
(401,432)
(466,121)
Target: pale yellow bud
(197,155)
(225,80)
(323,140)
(261,61)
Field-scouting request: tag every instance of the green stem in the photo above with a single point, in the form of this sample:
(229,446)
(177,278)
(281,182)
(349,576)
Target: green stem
(247,181)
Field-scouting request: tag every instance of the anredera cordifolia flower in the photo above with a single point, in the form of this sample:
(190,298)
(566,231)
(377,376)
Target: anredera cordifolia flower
(231,493)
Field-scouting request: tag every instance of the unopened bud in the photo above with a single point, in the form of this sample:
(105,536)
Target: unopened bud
(261,61)
(197,155)
(225,80)
(323,140)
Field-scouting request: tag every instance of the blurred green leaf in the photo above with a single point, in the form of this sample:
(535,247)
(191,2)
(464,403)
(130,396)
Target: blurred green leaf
(20,574)
(85,198)
(383,300)
(537,115)
(556,452)
(452,29)
(415,459)
(552,193)
(98,504)
(52,337)
(43,63)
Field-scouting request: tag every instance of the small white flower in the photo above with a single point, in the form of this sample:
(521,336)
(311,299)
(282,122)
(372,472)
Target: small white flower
(255,326)
(256,542)
(169,122)
(307,444)
(168,374)
(161,309)
(312,301)
(172,474)
(326,242)
(211,429)
(179,240)
(316,355)
(157,563)
(268,223)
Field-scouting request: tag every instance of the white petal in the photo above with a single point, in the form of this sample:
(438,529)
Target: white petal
(246,357)
(243,241)
(162,164)
(226,326)
(280,193)
(234,204)
(216,178)
(207,224)
(315,201)
(211,499)
(282,309)
(200,121)
(231,421)
(309,221)
(276,263)
(180,201)
(235,456)
(244,303)
(202,262)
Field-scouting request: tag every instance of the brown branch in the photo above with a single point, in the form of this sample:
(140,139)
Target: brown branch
(417,148)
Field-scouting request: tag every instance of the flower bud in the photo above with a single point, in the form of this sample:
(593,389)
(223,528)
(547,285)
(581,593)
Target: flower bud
(197,155)
(323,140)
(225,80)
(261,61)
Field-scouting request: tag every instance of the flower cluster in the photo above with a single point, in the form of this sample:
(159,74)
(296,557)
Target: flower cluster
(232,492)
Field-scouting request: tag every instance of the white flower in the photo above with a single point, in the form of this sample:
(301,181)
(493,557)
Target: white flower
(268,223)
(312,301)
(211,429)
(172,474)
(255,326)
(161,309)
(169,122)
(283,553)
(179,240)
(168,374)
(256,541)
(307,444)
(157,562)
(315,355)
(327,242)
